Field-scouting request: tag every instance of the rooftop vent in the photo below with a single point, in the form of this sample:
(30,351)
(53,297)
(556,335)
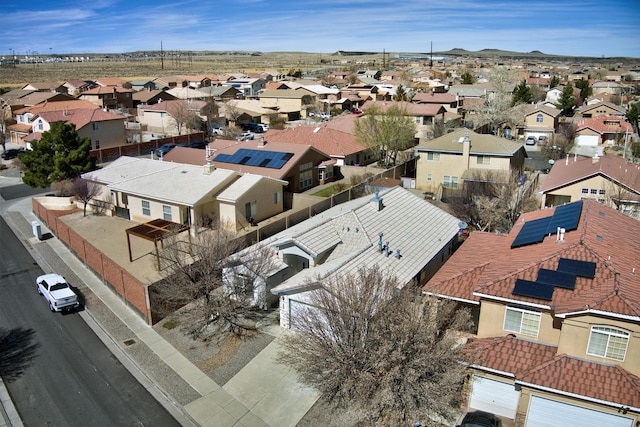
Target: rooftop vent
(377,201)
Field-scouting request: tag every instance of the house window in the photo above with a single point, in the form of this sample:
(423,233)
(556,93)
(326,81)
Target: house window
(306,179)
(446,181)
(124,198)
(539,118)
(242,286)
(146,208)
(250,209)
(607,342)
(454,182)
(600,191)
(305,166)
(429,177)
(166,212)
(40,125)
(585,191)
(276,197)
(320,174)
(522,321)
(594,191)
(483,160)
(433,157)
(97,144)
(94,126)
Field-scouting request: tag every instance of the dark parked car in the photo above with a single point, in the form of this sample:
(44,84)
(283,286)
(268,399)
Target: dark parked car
(164,149)
(200,144)
(12,153)
(480,419)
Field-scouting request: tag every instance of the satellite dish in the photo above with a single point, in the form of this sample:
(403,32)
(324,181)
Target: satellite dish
(551,161)
(462,225)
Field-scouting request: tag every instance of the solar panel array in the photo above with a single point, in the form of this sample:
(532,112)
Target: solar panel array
(579,268)
(527,288)
(565,216)
(556,278)
(259,158)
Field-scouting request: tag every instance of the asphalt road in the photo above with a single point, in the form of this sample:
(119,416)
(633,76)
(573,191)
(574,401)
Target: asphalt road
(74,380)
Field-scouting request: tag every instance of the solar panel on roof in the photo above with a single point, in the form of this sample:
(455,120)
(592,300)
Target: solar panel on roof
(579,268)
(531,232)
(527,288)
(259,158)
(559,279)
(566,216)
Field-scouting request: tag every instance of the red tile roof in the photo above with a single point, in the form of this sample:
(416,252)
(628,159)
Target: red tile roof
(604,124)
(412,109)
(325,137)
(575,169)
(602,237)
(80,117)
(538,365)
(72,104)
(434,98)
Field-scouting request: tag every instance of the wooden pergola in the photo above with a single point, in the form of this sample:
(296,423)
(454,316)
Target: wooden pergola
(155,231)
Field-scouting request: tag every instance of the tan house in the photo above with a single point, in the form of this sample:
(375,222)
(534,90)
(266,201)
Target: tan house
(103,128)
(602,108)
(463,155)
(540,121)
(288,100)
(557,309)
(610,180)
(111,97)
(142,189)
(423,115)
(603,130)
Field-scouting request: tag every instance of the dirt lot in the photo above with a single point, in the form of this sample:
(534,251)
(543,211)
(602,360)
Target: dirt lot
(130,68)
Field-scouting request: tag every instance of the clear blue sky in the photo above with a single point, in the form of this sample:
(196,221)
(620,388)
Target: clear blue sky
(578,28)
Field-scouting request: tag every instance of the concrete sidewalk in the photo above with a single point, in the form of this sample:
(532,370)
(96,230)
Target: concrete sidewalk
(264,393)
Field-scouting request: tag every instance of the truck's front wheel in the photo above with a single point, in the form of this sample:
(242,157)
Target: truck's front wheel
(51,307)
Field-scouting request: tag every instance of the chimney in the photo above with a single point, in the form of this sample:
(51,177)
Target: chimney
(376,201)
(262,142)
(209,168)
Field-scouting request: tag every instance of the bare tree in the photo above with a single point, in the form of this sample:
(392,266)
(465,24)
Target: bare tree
(232,112)
(497,103)
(85,191)
(17,350)
(372,350)
(387,132)
(183,115)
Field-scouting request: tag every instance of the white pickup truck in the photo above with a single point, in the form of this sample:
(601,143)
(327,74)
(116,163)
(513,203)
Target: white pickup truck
(57,292)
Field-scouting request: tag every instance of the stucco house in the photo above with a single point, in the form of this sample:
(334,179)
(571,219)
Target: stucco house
(602,130)
(610,180)
(463,155)
(393,229)
(423,114)
(111,97)
(336,138)
(301,166)
(540,121)
(158,117)
(290,100)
(601,108)
(557,310)
(143,189)
(105,129)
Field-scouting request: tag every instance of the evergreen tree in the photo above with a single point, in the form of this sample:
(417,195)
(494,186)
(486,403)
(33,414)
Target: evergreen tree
(401,94)
(59,155)
(467,78)
(567,100)
(585,90)
(633,115)
(522,94)
(555,81)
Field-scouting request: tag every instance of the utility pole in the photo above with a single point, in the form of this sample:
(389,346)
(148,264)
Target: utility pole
(161,56)
(431,57)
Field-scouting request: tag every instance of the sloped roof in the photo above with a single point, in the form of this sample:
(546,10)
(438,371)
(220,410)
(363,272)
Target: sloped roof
(325,137)
(480,144)
(411,109)
(601,237)
(415,227)
(617,108)
(103,90)
(80,117)
(604,123)
(176,183)
(434,98)
(194,156)
(146,95)
(71,104)
(283,93)
(537,365)
(577,168)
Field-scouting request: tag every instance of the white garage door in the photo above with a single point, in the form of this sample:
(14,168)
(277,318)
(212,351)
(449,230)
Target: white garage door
(587,140)
(549,413)
(494,396)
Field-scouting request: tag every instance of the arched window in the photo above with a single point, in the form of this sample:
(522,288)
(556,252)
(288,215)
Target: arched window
(539,118)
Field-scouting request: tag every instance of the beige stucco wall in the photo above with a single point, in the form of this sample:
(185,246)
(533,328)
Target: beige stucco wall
(157,121)
(491,324)
(455,165)
(574,340)
(263,194)
(575,191)
(135,210)
(110,133)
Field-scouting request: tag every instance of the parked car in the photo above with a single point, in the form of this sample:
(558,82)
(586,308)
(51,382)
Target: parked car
(530,140)
(256,127)
(480,419)
(12,153)
(542,140)
(245,136)
(164,149)
(57,292)
(199,144)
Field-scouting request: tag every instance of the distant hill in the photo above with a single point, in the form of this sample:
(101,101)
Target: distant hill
(535,54)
